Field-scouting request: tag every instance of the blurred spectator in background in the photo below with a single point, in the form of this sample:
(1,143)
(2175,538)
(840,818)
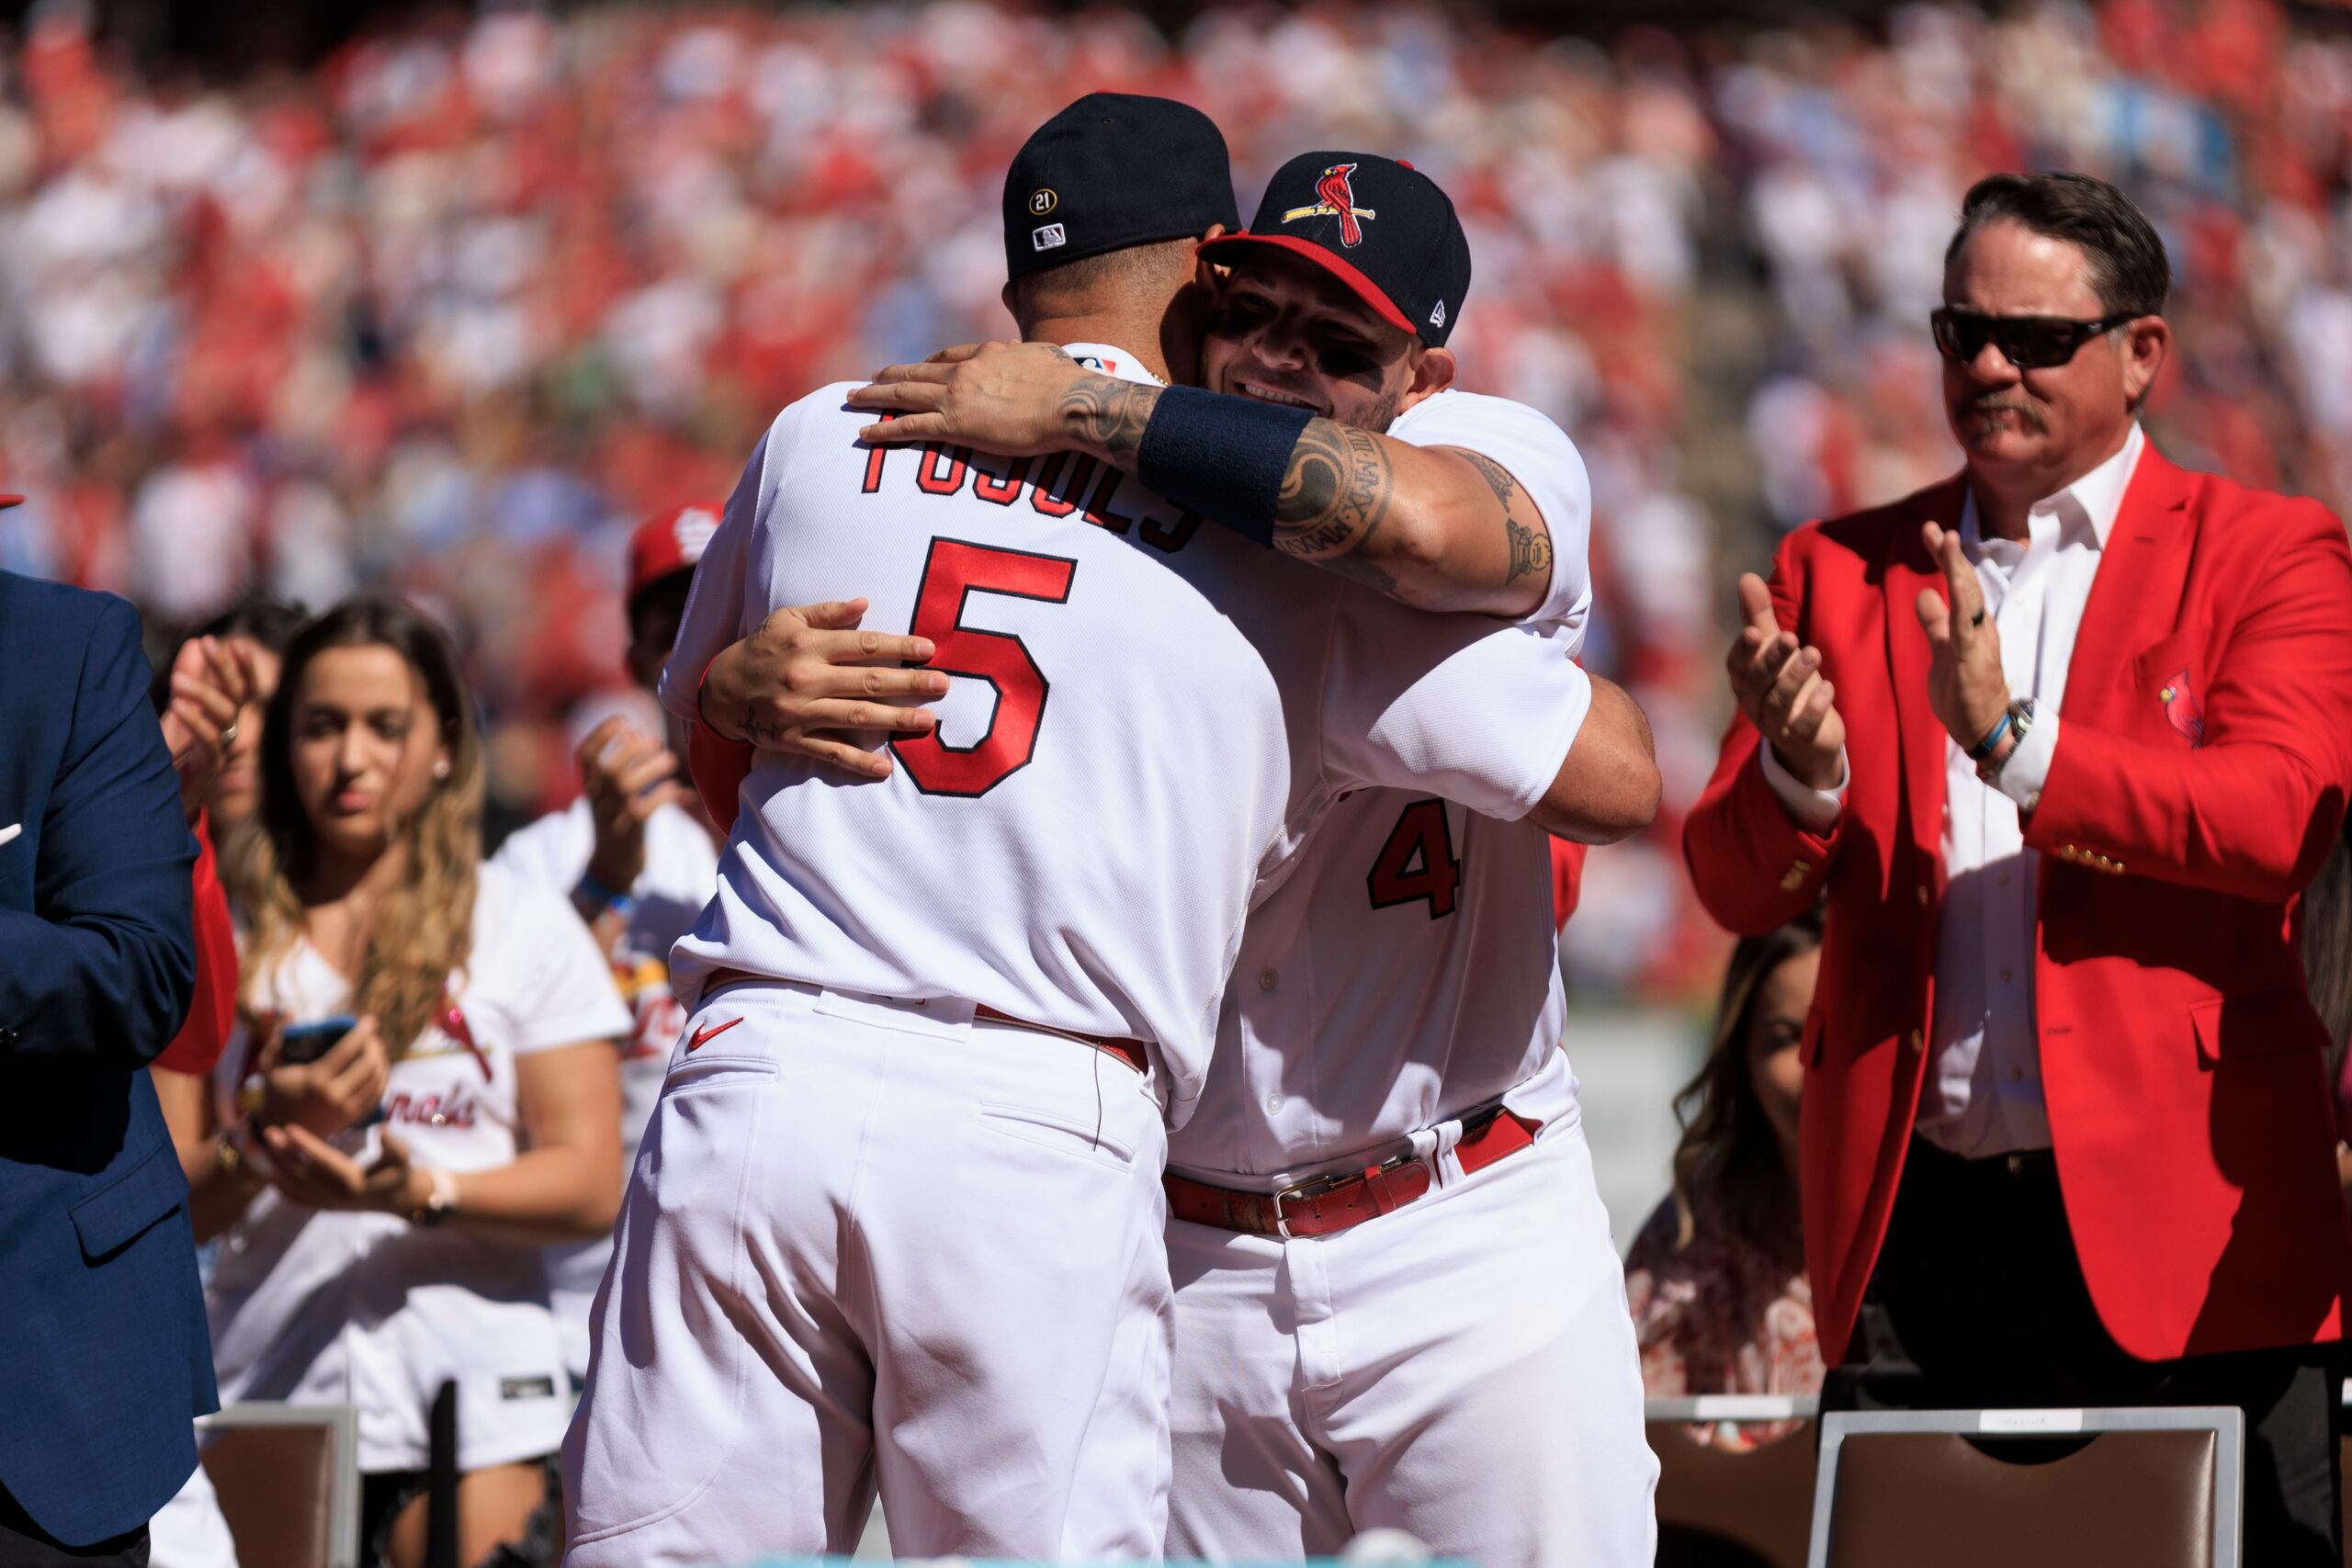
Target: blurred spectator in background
(473,1017)
(2101,741)
(451,311)
(256,634)
(637,857)
(1716,1277)
(218,682)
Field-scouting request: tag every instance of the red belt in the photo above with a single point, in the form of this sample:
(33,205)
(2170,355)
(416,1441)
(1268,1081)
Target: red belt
(1128,1051)
(1329,1204)
(1131,1052)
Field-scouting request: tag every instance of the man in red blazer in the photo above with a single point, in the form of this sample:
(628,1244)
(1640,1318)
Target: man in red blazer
(2064,738)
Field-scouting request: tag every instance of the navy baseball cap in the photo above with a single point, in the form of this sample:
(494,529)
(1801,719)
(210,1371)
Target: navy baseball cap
(1381,227)
(1111,171)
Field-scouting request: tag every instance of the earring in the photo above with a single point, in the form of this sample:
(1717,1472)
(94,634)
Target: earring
(441,769)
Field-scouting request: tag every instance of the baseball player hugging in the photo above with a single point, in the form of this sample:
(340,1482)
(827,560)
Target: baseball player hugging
(898,1223)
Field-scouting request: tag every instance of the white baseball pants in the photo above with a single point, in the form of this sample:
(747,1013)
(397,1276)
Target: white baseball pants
(1463,1368)
(872,1243)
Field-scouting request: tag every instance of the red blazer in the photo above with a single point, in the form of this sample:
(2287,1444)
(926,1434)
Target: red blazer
(2201,774)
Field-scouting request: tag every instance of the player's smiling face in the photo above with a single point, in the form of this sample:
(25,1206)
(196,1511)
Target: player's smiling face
(362,746)
(1286,332)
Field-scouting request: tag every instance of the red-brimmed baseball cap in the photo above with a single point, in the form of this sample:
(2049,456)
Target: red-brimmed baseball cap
(666,545)
(11,500)
(1381,227)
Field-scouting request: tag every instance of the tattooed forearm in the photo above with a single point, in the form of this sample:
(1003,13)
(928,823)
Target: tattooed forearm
(1335,493)
(1107,416)
(1529,548)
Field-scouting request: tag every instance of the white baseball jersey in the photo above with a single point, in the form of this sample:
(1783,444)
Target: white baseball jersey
(364,1308)
(1120,665)
(680,873)
(1408,969)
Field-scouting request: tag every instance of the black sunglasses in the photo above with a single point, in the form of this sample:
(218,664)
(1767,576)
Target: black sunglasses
(2030,343)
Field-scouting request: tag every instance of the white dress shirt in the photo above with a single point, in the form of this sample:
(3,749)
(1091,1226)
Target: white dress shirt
(1983,1095)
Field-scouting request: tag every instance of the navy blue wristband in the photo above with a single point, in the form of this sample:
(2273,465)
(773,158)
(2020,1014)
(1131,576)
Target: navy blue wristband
(1221,457)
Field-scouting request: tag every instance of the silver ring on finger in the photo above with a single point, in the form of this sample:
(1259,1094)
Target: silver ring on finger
(229,735)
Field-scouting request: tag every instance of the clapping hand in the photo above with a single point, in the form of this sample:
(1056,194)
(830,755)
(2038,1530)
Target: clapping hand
(1778,684)
(212,679)
(627,777)
(1966,685)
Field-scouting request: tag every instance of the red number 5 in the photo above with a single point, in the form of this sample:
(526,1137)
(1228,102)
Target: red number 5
(954,570)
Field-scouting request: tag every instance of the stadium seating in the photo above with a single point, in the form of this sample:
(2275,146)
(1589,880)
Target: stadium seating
(2152,1488)
(287,1476)
(1724,1508)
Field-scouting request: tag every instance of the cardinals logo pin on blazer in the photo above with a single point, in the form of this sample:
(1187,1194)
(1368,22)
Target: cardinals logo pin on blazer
(2182,710)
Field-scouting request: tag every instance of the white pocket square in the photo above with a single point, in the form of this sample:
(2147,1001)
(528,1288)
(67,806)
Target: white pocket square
(10,831)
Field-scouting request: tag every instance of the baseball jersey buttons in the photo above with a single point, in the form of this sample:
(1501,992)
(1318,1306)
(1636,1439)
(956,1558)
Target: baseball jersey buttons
(1268,979)
(1274,1104)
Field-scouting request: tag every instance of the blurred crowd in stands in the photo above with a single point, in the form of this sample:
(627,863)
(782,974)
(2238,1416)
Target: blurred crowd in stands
(451,311)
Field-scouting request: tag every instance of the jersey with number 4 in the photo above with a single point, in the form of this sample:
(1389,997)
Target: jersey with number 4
(1407,970)
(1146,716)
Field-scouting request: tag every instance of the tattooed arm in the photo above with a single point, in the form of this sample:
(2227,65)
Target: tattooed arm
(1437,527)
(1440,528)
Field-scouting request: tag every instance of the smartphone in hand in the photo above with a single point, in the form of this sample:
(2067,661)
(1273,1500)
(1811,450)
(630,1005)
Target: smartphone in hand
(301,1044)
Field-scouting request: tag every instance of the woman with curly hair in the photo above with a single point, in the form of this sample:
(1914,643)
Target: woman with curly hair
(424,1096)
(1716,1278)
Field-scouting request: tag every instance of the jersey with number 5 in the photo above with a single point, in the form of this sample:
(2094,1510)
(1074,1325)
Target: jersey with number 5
(1146,716)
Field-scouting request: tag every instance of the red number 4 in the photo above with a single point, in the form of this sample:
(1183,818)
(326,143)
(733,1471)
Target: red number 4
(1418,862)
(952,573)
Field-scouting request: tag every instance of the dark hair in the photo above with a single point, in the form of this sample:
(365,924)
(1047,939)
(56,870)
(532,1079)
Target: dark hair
(269,621)
(1727,1168)
(1100,282)
(2129,271)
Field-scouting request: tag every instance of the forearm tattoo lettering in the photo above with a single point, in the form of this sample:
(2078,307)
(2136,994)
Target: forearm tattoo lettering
(1335,495)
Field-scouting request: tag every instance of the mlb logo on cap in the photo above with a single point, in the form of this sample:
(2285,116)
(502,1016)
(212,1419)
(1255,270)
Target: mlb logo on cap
(1049,237)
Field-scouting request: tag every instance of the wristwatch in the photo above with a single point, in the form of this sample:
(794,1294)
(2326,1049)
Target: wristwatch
(439,1203)
(2016,722)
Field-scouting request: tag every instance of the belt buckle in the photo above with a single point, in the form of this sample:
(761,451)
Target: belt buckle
(1314,1187)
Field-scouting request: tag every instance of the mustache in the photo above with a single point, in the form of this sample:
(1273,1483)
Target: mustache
(2028,414)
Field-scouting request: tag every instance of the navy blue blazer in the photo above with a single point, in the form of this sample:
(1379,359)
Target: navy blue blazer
(104,1357)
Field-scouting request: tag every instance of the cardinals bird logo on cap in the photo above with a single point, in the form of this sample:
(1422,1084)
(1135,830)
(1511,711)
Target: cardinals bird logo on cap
(1336,199)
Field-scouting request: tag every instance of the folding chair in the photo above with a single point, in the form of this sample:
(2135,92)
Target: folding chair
(287,1476)
(1718,1508)
(1908,1489)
